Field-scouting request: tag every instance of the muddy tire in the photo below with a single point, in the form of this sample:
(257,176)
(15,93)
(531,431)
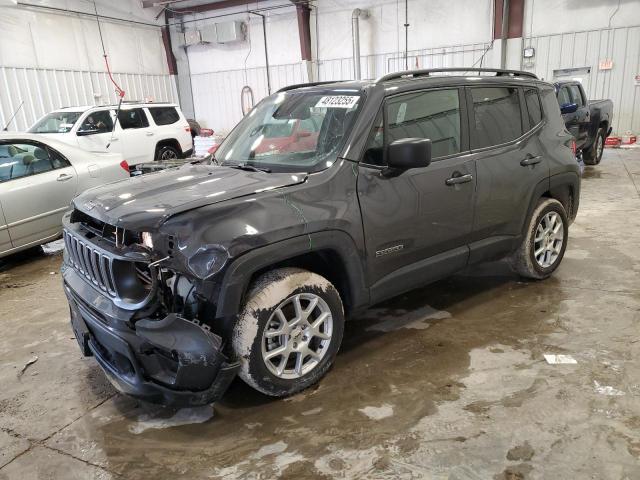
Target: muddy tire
(544,243)
(167,152)
(288,331)
(593,155)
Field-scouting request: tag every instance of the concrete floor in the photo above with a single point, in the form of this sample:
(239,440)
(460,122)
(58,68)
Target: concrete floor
(446,382)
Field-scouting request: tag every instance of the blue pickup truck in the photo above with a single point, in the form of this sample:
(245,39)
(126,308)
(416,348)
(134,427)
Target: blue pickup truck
(588,121)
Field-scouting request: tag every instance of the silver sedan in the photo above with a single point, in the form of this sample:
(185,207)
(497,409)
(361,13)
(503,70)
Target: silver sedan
(38,179)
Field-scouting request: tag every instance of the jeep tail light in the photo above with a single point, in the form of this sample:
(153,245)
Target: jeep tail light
(573,147)
(125,165)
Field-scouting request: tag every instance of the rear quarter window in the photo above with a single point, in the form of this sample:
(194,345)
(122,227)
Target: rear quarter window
(534,108)
(164,115)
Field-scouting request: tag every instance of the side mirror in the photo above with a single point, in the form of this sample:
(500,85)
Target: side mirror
(409,153)
(87,131)
(568,108)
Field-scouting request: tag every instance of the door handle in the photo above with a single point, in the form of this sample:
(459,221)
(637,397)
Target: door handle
(149,134)
(115,139)
(457,179)
(63,177)
(530,160)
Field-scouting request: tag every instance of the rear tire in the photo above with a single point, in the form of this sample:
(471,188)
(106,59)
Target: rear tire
(544,243)
(167,152)
(593,155)
(288,332)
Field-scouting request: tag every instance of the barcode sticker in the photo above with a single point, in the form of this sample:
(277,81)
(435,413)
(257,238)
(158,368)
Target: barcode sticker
(338,101)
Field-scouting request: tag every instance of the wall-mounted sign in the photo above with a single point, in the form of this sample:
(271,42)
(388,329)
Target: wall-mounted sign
(605,64)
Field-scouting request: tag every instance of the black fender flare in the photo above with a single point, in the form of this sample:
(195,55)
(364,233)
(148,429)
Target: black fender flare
(238,274)
(554,184)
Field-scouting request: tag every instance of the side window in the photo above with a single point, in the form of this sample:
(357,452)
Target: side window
(164,115)
(496,116)
(133,118)
(563,96)
(19,160)
(433,114)
(576,95)
(374,153)
(534,108)
(96,122)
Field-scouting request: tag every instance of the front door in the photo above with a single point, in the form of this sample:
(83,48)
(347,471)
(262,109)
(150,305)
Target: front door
(37,189)
(96,134)
(582,115)
(417,222)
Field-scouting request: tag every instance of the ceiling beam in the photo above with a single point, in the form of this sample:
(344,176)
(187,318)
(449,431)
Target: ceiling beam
(206,7)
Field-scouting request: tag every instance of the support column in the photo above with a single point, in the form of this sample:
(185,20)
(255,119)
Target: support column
(507,32)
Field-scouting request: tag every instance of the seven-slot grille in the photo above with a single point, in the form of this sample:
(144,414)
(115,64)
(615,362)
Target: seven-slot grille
(90,262)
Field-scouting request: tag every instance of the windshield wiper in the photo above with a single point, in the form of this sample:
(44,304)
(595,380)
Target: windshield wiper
(248,168)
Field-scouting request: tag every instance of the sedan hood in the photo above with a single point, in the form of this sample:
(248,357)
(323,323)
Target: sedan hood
(145,202)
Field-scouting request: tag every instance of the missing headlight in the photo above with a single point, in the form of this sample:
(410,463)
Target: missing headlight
(208,261)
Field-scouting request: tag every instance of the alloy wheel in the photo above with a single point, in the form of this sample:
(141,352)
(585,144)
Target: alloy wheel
(297,336)
(168,155)
(549,239)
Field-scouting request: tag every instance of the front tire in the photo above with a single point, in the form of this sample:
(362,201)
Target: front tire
(545,242)
(288,332)
(593,155)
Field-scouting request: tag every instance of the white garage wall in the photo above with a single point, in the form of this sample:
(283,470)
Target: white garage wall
(566,33)
(218,71)
(51,60)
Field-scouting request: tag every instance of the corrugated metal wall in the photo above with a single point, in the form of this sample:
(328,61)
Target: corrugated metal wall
(44,90)
(217,94)
(373,66)
(587,49)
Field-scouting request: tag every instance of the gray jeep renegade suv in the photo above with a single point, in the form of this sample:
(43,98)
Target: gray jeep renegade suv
(325,199)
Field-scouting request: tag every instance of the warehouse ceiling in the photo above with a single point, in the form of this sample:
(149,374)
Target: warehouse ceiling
(198,4)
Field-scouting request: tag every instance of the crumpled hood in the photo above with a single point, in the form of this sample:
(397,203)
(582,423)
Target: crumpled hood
(145,202)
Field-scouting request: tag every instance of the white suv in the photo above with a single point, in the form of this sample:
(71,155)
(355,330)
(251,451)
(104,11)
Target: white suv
(144,131)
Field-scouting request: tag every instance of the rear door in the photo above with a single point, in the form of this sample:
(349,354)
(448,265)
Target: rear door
(37,188)
(138,139)
(510,162)
(417,222)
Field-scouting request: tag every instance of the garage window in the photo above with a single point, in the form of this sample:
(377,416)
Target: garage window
(164,115)
(496,116)
(134,118)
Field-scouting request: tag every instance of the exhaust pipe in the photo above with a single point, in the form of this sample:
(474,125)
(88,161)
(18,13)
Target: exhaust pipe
(355,33)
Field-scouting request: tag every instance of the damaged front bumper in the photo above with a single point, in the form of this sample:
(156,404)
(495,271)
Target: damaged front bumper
(172,361)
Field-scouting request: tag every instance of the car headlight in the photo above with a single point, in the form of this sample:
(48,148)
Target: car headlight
(208,261)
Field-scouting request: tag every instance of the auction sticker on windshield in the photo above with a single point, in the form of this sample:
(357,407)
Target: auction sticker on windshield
(338,101)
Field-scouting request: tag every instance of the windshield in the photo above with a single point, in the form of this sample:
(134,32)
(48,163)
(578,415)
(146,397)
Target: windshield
(292,132)
(56,122)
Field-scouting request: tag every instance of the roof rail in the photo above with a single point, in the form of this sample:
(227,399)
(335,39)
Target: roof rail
(311,84)
(426,73)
